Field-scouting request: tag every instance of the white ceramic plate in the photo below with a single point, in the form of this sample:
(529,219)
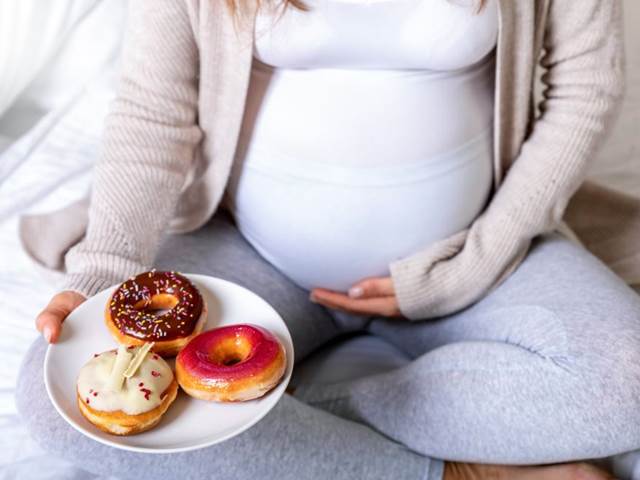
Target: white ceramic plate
(189,424)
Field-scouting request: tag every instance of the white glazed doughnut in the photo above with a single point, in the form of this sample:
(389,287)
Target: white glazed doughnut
(127,405)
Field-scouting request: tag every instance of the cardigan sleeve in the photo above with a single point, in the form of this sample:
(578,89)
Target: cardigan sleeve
(583,84)
(148,145)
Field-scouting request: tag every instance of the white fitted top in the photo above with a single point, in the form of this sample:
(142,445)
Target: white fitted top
(367,134)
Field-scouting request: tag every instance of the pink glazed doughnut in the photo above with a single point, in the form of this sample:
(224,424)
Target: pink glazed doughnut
(231,364)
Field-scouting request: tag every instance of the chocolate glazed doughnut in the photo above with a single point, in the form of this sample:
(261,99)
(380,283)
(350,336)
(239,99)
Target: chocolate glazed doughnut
(131,312)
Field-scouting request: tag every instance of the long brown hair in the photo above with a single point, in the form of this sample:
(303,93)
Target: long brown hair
(300,5)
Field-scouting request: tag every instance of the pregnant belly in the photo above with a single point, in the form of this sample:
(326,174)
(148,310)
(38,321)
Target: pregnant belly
(328,226)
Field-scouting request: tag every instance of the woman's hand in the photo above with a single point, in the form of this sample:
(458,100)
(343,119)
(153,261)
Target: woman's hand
(49,322)
(371,296)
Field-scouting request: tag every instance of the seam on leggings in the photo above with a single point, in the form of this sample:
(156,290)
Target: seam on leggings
(562,359)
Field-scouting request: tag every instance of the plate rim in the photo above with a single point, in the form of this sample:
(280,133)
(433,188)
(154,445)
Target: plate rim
(281,386)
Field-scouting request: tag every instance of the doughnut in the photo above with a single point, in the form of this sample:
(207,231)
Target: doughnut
(131,316)
(231,364)
(123,405)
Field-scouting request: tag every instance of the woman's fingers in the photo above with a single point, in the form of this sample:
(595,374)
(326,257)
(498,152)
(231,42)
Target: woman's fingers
(385,306)
(49,324)
(49,321)
(371,296)
(372,287)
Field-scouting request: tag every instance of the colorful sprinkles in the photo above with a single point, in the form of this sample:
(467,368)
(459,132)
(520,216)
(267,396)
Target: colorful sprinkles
(129,306)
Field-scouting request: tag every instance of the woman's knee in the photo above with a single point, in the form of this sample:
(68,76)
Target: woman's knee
(604,336)
(606,357)
(598,313)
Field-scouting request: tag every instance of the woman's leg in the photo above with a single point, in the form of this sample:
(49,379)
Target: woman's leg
(545,369)
(293,441)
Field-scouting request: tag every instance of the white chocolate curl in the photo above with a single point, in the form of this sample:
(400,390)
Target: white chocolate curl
(123,359)
(138,359)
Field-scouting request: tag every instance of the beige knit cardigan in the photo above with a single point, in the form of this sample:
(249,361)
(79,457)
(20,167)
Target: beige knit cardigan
(171,135)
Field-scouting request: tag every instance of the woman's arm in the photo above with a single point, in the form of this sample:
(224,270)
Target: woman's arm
(149,142)
(583,85)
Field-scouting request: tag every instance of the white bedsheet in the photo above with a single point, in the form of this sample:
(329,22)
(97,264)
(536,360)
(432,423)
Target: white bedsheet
(50,167)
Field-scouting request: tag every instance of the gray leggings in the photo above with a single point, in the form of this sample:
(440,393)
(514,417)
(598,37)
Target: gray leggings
(546,368)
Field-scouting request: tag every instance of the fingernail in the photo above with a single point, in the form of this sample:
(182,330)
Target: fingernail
(48,333)
(355,292)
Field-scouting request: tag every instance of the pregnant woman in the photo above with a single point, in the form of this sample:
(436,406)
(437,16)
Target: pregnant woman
(378,166)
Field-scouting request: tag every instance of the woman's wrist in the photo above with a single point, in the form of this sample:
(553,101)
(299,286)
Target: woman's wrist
(455,272)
